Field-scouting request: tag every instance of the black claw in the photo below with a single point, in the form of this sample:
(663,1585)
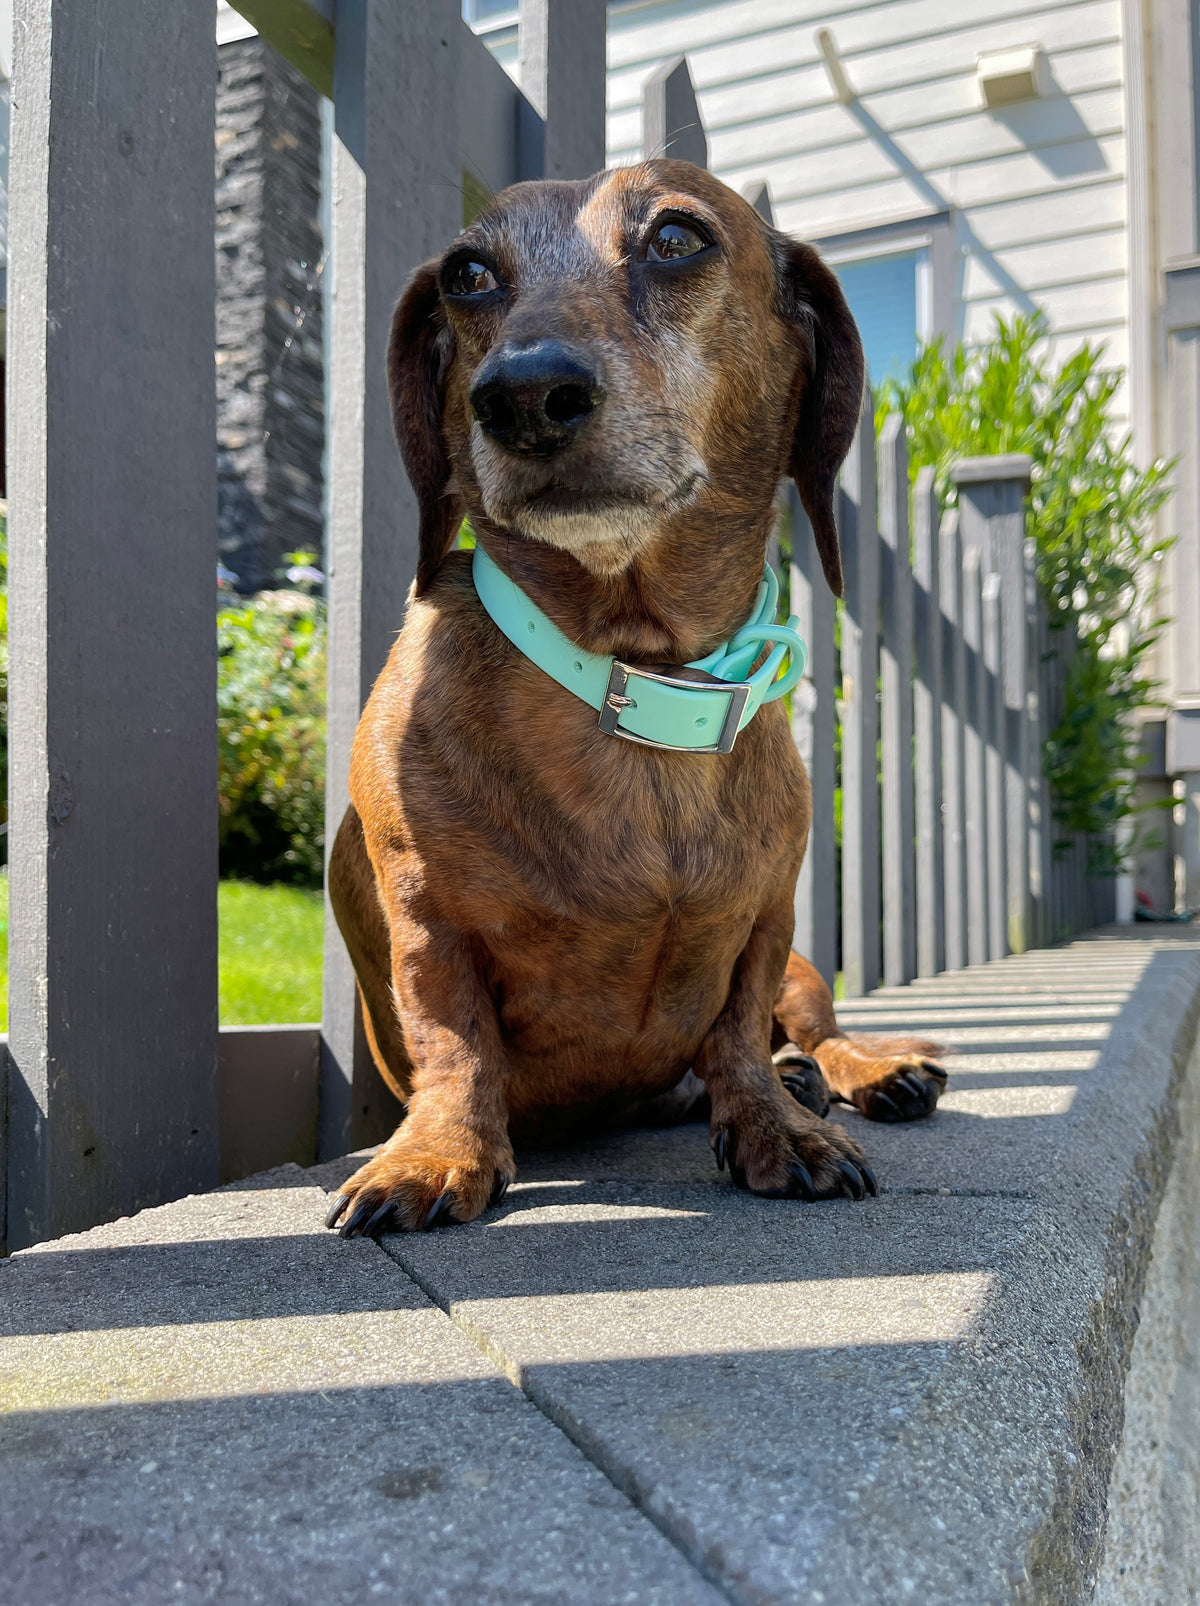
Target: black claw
(738,1174)
(906,1079)
(719,1150)
(501,1187)
(439,1211)
(375,1226)
(932,1068)
(808,1087)
(803,1181)
(355,1220)
(868,1177)
(890,1111)
(851,1179)
(336,1208)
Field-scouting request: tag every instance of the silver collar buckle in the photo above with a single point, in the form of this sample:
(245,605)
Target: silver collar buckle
(617,698)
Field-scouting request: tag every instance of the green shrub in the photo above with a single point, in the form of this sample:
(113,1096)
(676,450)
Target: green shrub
(271,734)
(1091,513)
(270,727)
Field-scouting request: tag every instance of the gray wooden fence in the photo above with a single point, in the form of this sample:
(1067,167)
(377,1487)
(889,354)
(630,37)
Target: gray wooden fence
(947,686)
(121,1090)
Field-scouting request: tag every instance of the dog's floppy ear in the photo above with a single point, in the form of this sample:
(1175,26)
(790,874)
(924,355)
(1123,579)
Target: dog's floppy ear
(419,351)
(812,301)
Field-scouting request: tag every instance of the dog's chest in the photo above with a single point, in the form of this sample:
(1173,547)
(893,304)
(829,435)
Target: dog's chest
(640,840)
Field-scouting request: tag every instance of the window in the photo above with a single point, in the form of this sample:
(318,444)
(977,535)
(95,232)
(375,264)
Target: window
(485,14)
(885,296)
(899,280)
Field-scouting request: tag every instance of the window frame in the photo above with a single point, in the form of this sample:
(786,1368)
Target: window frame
(938,306)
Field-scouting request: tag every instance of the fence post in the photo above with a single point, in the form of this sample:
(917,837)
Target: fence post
(671,122)
(927,727)
(991,499)
(860,710)
(112,478)
(396,202)
(896,682)
(954,859)
(997,854)
(814,727)
(974,743)
(562,45)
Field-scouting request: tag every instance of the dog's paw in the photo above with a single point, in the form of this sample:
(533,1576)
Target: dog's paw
(783,1151)
(885,1078)
(404,1188)
(803,1078)
(900,1088)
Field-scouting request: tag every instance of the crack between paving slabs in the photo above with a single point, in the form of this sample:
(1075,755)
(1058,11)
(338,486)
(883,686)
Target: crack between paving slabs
(674,1531)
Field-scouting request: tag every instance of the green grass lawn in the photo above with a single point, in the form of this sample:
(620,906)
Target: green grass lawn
(270,966)
(271,942)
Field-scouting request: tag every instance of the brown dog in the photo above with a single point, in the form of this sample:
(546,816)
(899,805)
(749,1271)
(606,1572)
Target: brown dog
(548,923)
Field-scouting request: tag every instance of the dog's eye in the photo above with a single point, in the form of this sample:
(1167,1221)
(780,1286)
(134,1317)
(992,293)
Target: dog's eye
(466,277)
(673,240)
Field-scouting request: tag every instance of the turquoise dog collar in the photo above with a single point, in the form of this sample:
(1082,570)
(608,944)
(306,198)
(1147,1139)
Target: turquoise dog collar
(699,708)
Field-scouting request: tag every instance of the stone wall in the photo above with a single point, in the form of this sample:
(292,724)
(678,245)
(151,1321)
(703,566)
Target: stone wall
(270,393)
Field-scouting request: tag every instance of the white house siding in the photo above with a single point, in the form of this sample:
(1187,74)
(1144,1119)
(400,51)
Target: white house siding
(1037,189)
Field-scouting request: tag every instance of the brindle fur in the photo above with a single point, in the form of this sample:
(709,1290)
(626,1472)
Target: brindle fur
(551,926)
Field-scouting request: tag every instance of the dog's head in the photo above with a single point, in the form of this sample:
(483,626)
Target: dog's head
(612,366)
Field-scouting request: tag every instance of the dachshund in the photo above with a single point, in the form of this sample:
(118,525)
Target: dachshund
(555,921)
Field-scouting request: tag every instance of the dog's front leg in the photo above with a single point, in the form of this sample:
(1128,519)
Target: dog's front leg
(451,1156)
(772,1144)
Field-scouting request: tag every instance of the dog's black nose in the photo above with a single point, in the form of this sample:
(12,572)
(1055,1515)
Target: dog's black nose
(534,399)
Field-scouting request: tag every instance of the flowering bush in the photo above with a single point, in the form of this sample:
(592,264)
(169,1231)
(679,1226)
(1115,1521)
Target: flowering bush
(271,735)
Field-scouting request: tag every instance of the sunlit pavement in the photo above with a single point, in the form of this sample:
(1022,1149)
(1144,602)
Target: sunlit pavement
(632,1382)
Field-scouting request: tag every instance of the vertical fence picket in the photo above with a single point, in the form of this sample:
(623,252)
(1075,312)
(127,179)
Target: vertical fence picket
(112,701)
(561,53)
(814,727)
(671,121)
(997,860)
(991,495)
(896,709)
(974,747)
(860,712)
(1047,702)
(1033,726)
(954,874)
(1059,645)
(927,727)
(395,96)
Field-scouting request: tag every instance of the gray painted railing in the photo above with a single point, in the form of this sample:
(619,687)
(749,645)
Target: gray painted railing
(117,1080)
(949,683)
(121,1091)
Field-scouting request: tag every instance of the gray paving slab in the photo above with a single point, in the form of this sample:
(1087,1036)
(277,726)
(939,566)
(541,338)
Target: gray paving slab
(918,1398)
(755,1375)
(219,1401)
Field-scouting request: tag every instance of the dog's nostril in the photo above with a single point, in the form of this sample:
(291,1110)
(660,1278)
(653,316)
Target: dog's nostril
(565,403)
(496,413)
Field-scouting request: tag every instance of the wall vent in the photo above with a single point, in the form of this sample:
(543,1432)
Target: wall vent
(1005,76)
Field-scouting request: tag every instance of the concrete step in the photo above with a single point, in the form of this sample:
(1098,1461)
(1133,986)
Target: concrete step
(632,1381)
